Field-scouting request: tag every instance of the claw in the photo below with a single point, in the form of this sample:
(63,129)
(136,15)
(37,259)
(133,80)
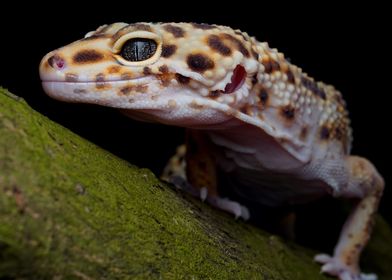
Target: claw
(203,194)
(225,204)
(322,258)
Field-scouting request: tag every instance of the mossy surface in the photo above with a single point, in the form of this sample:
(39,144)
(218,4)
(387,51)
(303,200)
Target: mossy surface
(70,210)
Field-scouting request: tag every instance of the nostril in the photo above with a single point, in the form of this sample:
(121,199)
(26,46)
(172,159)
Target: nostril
(56,62)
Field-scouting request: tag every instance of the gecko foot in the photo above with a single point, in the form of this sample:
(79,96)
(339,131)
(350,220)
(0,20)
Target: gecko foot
(335,267)
(233,207)
(239,211)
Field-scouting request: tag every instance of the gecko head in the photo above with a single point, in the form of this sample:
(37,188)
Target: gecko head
(183,74)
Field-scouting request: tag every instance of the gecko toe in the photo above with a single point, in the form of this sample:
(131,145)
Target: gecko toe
(370,276)
(322,258)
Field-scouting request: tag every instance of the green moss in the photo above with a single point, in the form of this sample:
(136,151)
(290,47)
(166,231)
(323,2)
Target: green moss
(72,210)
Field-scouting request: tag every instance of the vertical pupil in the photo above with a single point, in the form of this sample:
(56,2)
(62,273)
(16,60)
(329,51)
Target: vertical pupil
(138,49)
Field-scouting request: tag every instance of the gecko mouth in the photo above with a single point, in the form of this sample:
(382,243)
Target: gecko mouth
(95,91)
(96,81)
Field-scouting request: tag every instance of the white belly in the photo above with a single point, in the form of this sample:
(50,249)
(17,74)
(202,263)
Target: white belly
(259,168)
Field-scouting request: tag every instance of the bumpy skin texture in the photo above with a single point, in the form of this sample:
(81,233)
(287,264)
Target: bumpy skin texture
(279,136)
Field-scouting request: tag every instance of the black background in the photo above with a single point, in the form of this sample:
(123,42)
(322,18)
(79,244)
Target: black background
(343,46)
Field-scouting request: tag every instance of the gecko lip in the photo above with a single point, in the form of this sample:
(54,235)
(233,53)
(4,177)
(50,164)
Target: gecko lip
(97,81)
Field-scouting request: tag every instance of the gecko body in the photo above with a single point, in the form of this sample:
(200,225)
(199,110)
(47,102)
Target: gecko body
(279,135)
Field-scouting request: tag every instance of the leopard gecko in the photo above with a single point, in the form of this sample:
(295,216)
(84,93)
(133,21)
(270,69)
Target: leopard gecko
(282,137)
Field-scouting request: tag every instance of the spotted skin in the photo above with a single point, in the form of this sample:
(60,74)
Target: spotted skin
(249,113)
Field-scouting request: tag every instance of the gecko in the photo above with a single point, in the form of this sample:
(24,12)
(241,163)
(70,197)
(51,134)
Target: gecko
(278,136)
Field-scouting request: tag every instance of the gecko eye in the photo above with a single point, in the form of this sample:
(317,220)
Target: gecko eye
(138,49)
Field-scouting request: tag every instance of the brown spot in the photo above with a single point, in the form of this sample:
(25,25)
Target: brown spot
(358,246)
(147,71)
(163,69)
(87,56)
(199,62)
(216,44)
(263,95)
(324,133)
(238,44)
(102,86)
(69,77)
(168,50)
(177,31)
(140,26)
(142,88)
(313,87)
(99,78)
(288,112)
(214,93)
(244,109)
(237,32)
(126,76)
(267,66)
(270,65)
(303,133)
(165,77)
(114,69)
(182,79)
(195,105)
(126,90)
(274,65)
(100,81)
(79,91)
(203,26)
(290,77)
(350,235)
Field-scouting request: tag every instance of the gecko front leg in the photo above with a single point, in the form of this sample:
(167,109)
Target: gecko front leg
(366,184)
(201,171)
(194,170)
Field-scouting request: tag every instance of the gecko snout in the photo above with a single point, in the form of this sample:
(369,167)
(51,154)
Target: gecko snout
(52,67)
